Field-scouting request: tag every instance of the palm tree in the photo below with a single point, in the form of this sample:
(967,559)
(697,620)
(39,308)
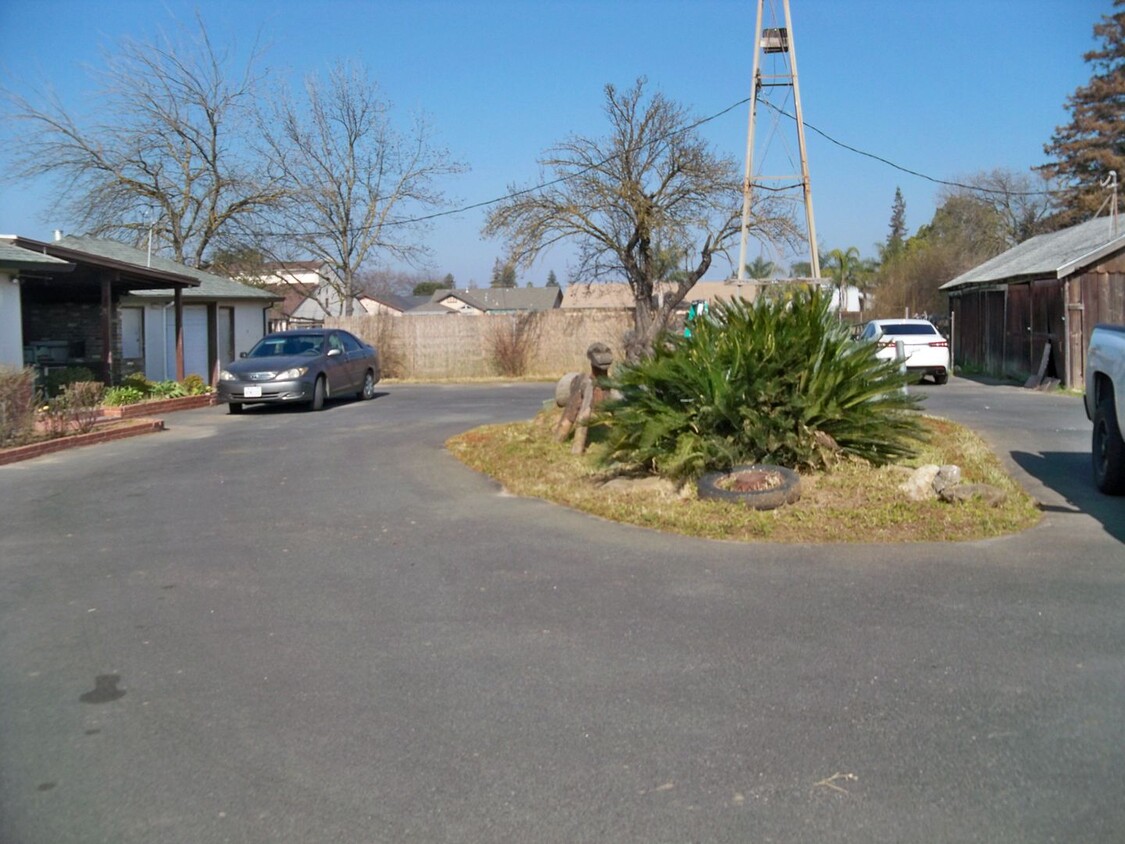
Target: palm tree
(761,268)
(843,267)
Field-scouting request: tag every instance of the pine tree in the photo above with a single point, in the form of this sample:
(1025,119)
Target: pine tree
(1093,143)
(897,236)
(552,279)
(503,274)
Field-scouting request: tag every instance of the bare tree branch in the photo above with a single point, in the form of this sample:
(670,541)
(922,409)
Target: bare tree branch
(650,186)
(353,183)
(168,149)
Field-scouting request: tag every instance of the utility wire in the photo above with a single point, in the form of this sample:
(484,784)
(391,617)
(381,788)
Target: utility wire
(709,119)
(899,167)
(702,121)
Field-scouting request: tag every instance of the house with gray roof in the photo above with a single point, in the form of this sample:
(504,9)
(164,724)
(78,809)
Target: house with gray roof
(1037,303)
(122,310)
(15,260)
(490,300)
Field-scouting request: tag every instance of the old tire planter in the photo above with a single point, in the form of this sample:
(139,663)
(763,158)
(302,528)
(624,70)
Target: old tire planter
(788,490)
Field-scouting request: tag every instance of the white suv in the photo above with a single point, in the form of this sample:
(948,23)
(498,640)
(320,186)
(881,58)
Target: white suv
(927,351)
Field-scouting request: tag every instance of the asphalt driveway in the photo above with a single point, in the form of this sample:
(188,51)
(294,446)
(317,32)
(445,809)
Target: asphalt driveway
(297,627)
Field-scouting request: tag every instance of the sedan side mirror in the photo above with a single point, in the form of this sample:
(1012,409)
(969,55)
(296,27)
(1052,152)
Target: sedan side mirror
(242,354)
(333,352)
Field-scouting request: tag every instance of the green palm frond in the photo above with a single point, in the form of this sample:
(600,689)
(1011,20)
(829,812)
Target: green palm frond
(775,381)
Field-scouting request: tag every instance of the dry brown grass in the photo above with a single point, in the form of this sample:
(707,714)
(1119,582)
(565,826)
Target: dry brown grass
(855,502)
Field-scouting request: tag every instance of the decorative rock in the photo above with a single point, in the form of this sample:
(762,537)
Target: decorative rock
(946,477)
(920,485)
(993,496)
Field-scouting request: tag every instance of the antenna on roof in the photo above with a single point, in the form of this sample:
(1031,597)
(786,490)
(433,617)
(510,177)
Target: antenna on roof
(1110,182)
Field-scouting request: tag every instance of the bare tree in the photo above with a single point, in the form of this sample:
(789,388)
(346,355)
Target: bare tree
(355,186)
(652,184)
(164,149)
(1022,202)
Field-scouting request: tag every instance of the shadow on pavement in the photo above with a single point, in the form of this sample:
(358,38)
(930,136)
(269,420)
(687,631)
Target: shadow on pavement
(1069,474)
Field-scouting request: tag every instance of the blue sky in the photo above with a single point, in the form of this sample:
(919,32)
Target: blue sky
(944,89)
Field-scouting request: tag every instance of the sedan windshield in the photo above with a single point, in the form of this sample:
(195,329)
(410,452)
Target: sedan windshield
(299,344)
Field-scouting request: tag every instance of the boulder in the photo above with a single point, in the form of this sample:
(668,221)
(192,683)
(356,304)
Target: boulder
(920,485)
(991,495)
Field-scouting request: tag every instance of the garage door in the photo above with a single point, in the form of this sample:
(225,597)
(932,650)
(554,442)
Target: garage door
(195,341)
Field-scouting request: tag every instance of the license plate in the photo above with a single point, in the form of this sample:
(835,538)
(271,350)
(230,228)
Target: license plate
(252,392)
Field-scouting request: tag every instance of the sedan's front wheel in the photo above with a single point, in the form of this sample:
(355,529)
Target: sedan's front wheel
(319,392)
(234,408)
(368,391)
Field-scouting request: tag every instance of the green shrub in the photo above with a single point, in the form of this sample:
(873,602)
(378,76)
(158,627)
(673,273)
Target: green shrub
(17,404)
(137,381)
(195,385)
(58,379)
(118,396)
(777,382)
(167,390)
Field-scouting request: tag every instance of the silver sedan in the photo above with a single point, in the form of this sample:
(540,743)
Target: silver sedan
(302,366)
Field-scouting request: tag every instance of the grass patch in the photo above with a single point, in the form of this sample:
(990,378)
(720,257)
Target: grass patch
(853,502)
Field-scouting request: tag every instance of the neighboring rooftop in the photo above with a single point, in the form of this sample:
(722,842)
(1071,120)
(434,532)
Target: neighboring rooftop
(1054,255)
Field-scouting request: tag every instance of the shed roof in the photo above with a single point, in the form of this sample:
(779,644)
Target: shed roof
(1054,255)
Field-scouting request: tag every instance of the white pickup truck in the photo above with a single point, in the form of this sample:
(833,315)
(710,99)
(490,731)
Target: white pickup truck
(1105,405)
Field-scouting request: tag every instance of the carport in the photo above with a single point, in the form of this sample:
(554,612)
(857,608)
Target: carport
(69,318)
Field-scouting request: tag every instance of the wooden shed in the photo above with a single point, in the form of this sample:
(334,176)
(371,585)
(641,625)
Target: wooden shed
(1037,303)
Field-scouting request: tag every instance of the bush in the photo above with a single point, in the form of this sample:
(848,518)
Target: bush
(118,396)
(778,382)
(137,381)
(82,400)
(194,385)
(511,342)
(59,379)
(17,405)
(167,390)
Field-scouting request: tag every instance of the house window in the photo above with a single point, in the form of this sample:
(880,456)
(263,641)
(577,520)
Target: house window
(226,335)
(132,333)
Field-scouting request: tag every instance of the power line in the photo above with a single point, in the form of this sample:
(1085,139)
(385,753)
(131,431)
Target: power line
(702,121)
(899,167)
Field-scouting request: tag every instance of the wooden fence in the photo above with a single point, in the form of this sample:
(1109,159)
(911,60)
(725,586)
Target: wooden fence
(438,346)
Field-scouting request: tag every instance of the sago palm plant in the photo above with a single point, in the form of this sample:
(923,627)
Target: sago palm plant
(780,381)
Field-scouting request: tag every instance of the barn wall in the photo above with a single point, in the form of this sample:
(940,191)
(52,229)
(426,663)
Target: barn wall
(1002,331)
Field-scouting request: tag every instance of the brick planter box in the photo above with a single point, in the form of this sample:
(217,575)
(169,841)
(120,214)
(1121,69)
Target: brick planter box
(155,406)
(119,431)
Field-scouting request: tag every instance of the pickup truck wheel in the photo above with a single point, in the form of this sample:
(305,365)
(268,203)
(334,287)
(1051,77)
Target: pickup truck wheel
(1108,450)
